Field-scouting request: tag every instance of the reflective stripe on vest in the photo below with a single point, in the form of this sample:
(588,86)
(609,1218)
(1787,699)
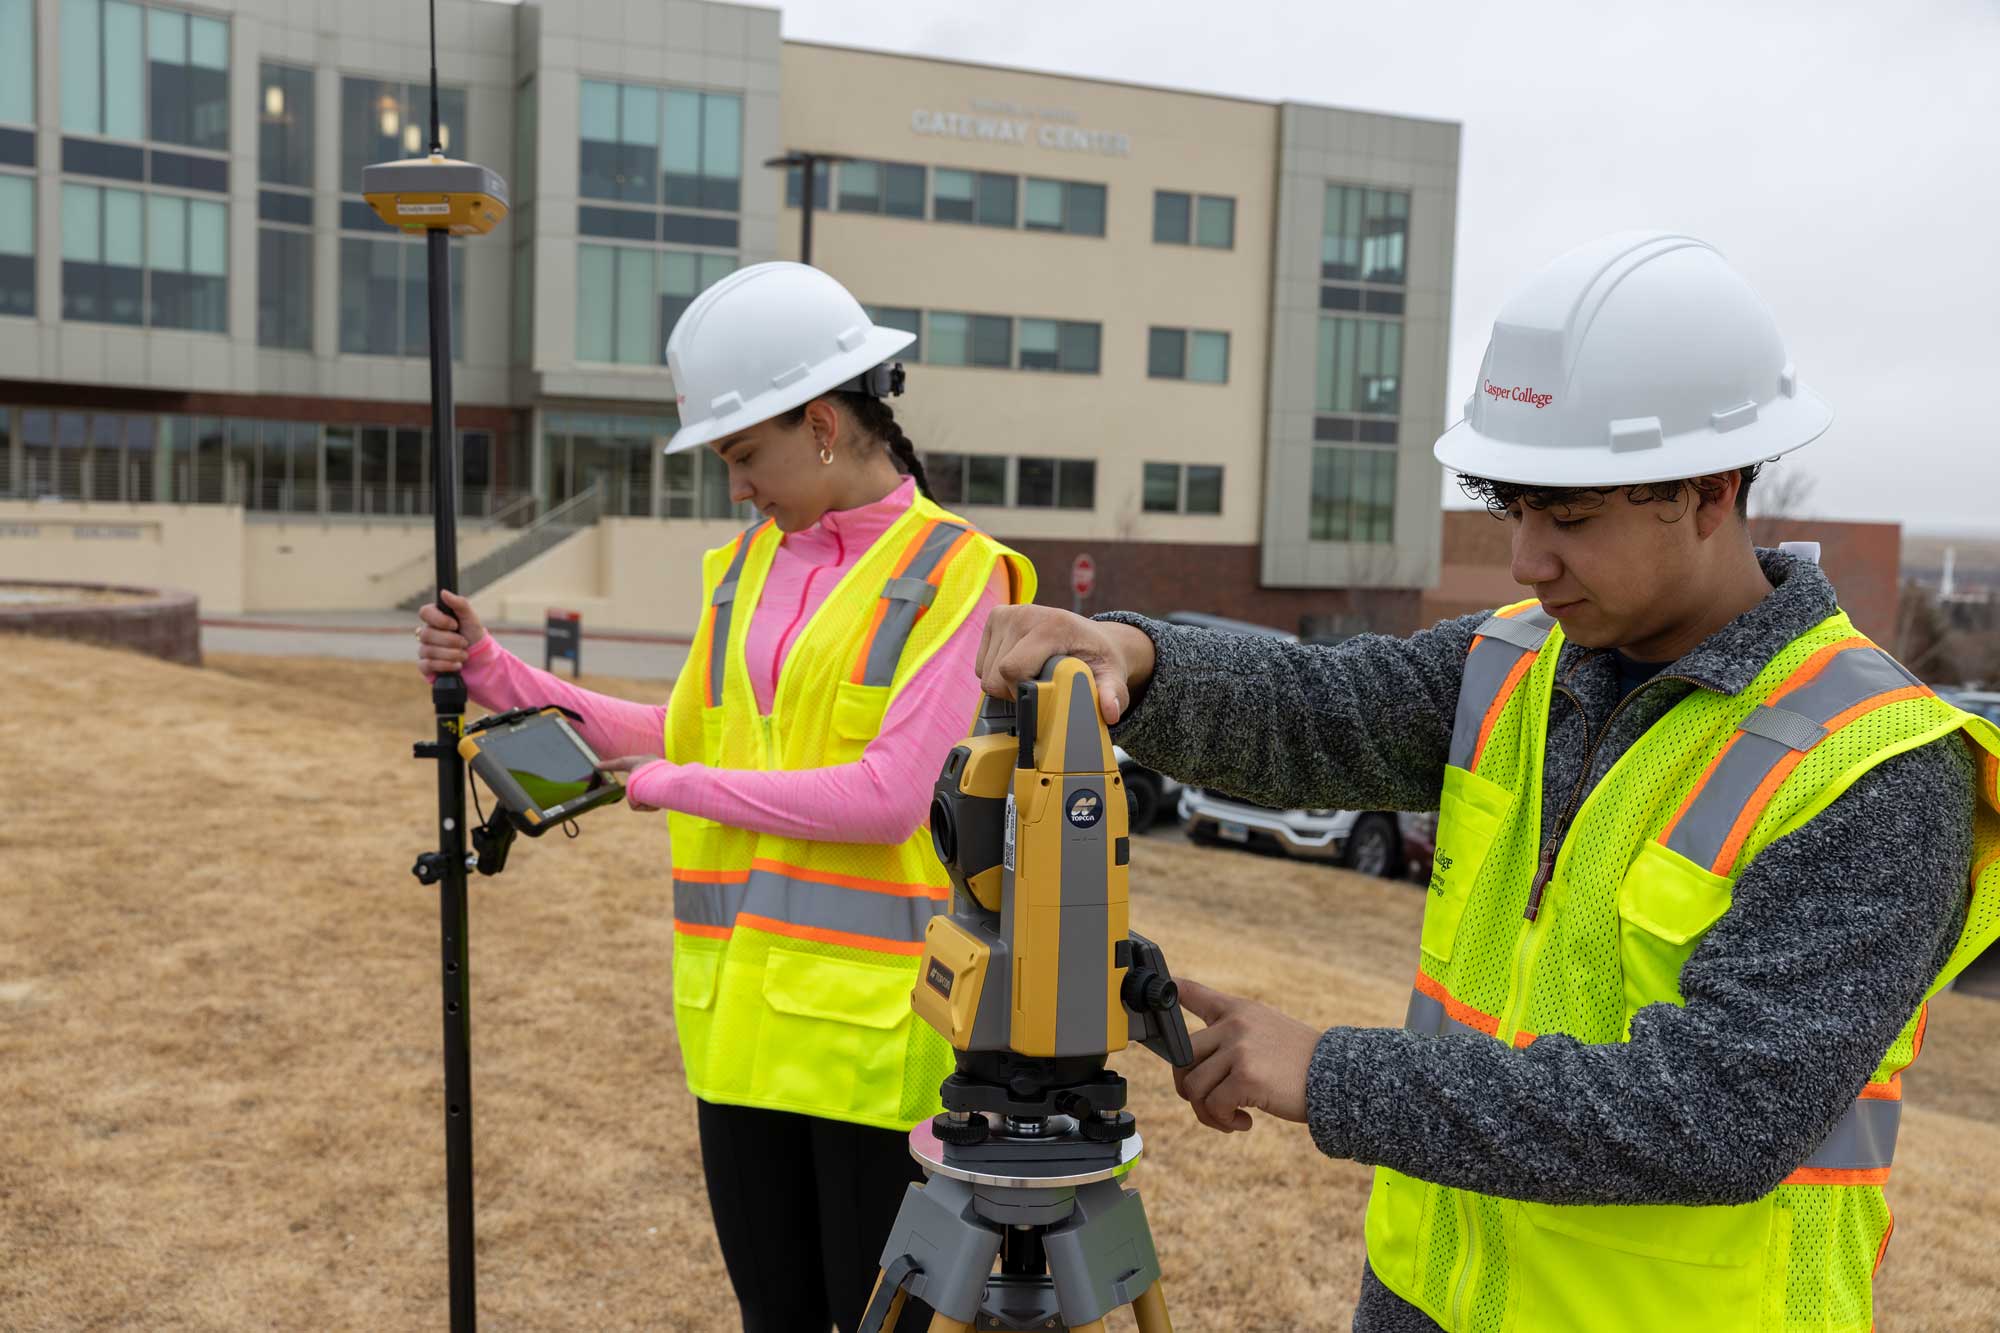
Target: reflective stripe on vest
(1858,1150)
(720,609)
(807,904)
(1501,655)
(905,597)
(1831,688)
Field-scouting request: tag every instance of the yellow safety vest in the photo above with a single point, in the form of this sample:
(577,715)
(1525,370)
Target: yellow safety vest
(1645,869)
(793,959)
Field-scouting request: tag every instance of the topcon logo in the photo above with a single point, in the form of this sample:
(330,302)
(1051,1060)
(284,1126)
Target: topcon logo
(1524,394)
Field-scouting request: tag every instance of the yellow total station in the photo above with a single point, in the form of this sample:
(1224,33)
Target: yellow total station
(1035,976)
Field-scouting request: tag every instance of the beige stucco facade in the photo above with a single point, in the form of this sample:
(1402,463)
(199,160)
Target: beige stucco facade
(558,413)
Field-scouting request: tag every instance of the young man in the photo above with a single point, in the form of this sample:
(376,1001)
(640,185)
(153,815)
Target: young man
(1703,850)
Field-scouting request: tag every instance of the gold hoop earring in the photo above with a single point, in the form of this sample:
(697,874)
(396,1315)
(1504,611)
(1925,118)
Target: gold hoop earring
(826,454)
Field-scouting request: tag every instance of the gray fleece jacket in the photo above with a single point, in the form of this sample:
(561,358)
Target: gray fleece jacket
(1833,934)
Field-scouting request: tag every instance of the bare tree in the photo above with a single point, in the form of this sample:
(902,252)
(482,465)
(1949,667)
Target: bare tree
(1783,491)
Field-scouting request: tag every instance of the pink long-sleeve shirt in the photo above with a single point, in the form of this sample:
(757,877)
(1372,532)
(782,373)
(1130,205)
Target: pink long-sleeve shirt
(883,797)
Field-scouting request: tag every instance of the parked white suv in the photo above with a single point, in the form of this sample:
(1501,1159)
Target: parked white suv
(1370,842)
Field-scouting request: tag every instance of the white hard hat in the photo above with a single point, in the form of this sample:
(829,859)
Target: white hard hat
(766,339)
(1639,357)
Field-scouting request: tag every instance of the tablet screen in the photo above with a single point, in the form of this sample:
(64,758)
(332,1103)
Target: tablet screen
(549,760)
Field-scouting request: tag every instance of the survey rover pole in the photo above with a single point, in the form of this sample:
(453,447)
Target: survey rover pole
(444,198)
(448,702)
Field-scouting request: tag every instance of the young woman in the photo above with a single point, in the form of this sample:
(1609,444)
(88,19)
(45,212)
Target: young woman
(831,674)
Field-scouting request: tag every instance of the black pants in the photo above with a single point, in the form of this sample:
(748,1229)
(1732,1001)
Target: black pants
(803,1207)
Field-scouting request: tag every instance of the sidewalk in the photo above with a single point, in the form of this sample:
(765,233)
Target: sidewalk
(384,636)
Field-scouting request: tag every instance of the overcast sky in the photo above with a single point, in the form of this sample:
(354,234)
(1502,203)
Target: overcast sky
(1845,156)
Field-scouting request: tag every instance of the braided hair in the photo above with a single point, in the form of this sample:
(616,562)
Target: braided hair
(875,418)
(874,415)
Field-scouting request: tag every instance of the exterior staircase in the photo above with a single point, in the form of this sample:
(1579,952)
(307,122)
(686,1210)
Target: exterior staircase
(550,530)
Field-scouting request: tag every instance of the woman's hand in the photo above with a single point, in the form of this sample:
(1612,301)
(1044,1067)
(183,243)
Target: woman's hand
(628,765)
(444,640)
(1019,641)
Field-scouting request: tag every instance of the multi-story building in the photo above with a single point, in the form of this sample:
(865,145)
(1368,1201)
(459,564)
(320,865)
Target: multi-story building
(1200,338)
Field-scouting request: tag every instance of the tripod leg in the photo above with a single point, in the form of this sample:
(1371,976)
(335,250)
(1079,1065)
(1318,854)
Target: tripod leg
(886,1307)
(1094,1326)
(1151,1310)
(943,1323)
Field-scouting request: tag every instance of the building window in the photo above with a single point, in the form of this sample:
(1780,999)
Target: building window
(1056,483)
(900,317)
(1363,245)
(973,479)
(1360,368)
(628,299)
(1171,488)
(284,207)
(894,188)
(984,198)
(133,72)
(382,120)
(670,147)
(1069,206)
(822,187)
(385,298)
(1064,345)
(17,244)
(1188,354)
(132,258)
(17,63)
(187,263)
(285,126)
(970,340)
(670,160)
(1353,495)
(1207,220)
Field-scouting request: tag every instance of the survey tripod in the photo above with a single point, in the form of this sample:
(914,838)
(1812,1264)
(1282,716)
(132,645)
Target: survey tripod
(442,199)
(1035,978)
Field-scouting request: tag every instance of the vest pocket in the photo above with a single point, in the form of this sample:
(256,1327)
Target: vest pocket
(1642,1268)
(835,1034)
(1394,1223)
(697,969)
(1666,903)
(1471,813)
(857,719)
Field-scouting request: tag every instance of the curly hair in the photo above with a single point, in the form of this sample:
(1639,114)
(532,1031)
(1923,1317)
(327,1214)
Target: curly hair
(1501,496)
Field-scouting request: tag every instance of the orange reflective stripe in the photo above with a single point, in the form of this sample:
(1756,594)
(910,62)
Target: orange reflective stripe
(1826,1175)
(1883,1252)
(1520,669)
(704,647)
(1892,1091)
(1456,1009)
(706,932)
(1809,669)
(1803,675)
(1917,1041)
(881,611)
(1700,782)
(1753,810)
(939,892)
(819,934)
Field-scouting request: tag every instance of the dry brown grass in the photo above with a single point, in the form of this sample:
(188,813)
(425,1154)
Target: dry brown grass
(219,1041)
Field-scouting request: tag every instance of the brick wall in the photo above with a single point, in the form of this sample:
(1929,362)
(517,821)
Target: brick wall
(1154,578)
(1861,560)
(163,624)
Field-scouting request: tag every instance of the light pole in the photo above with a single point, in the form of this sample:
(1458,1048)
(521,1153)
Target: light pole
(809,164)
